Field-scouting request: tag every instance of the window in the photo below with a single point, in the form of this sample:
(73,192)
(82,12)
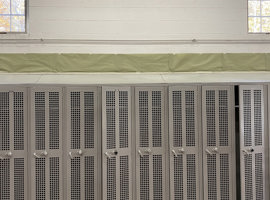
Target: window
(259,16)
(12,16)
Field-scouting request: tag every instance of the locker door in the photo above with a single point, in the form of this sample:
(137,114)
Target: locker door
(81,143)
(150,144)
(184,147)
(252,142)
(13,144)
(46,143)
(218,142)
(116,105)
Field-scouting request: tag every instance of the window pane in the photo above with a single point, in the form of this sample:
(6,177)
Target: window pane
(266,24)
(254,8)
(4,24)
(18,24)
(17,6)
(4,6)
(254,24)
(265,8)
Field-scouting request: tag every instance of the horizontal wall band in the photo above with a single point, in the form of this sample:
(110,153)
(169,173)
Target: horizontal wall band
(14,63)
(130,42)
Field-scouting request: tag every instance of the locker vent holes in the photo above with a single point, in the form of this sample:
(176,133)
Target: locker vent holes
(156,119)
(89,129)
(210,117)
(190,119)
(18,121)
(143,116)
(4,121)
(40,120)
(54,120)
(5,179)
(177,119)
(75,120)
(144,178)
(247,117)
(123,119)
(223,118)
(110,114)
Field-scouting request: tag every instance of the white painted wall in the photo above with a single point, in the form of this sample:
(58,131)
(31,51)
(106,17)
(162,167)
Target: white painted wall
(217,20)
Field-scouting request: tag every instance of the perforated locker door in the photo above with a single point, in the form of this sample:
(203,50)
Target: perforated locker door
(13,143)
(218,142)
(252,142)
(183,143)
(46,143)
(82,143)
(116,134)
(150,144)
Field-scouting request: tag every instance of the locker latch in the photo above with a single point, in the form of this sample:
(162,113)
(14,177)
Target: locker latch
(213,150)
(6,155)
(175,154)
(79,152)
(111,154)
(248,150)
(108,155)
(43,153)
(180,150)
(146,151)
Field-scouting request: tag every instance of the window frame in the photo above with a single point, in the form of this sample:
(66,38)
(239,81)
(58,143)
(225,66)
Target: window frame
(260,33)
(26,16)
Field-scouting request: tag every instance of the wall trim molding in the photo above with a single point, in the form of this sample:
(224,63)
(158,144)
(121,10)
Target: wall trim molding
(130,42)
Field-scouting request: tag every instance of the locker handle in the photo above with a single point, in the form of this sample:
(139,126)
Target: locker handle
(245,151)
(148,151)
(80,152)
(9,154)
(174,153)
(108,155)
(139,151)
(43,153)
(70,155)
(248,150)
(208,152)
(215,149)
(37,156)
(181,150)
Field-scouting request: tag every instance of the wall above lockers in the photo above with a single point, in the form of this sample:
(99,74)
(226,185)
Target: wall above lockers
(138,26)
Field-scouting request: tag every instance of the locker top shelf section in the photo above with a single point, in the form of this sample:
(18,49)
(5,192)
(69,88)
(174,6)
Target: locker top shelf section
(133,78)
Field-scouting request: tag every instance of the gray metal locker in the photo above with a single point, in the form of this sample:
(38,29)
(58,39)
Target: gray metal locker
(184,143)
(252,138)
(116,132)
(218,142)
(150,143)
(81,143)
(13,143)
(46,143)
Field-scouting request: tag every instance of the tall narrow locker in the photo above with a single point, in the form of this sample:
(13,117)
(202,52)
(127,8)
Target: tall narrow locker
(218,142)
(150,143)
(116,133)
(46,143)
(252,141)
(184,143)
(13,143)
(81,104)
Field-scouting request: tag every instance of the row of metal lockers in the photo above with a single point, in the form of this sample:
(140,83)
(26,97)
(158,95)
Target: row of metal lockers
(145,143)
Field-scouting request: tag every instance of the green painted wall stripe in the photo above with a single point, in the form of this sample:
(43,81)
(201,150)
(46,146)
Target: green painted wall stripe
(133,62)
